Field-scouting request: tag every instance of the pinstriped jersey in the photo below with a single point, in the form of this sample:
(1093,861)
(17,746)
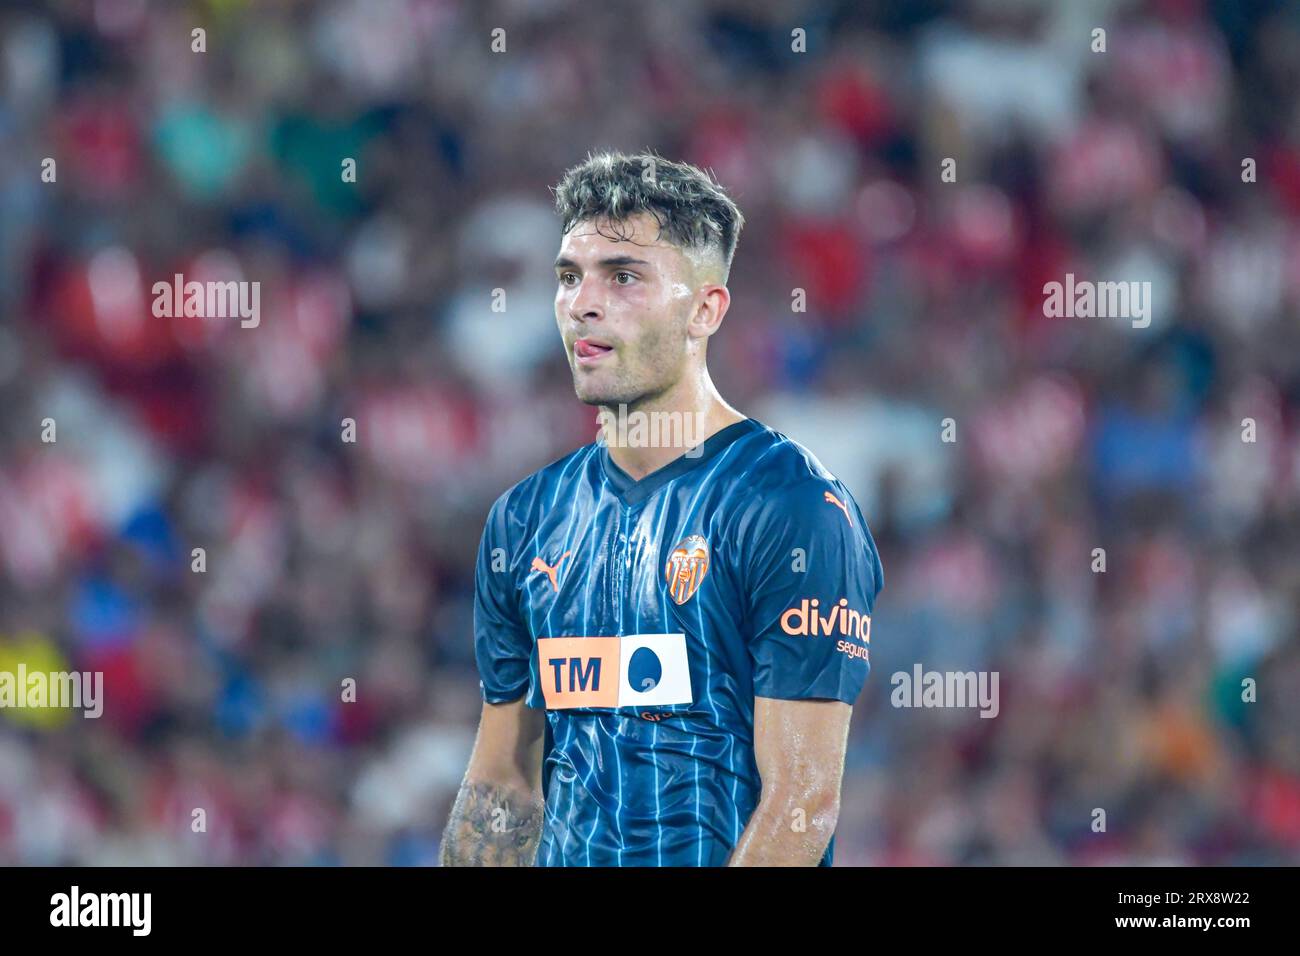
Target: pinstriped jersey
(645,615)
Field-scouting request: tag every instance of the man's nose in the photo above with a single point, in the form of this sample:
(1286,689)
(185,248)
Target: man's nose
(586,305)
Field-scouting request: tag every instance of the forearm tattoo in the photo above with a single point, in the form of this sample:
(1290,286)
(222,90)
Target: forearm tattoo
(492,825)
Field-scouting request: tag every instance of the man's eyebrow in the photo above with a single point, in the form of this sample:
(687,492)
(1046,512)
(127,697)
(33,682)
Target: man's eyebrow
(563,262)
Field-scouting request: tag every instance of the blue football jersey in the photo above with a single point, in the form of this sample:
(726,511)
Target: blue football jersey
(645,615)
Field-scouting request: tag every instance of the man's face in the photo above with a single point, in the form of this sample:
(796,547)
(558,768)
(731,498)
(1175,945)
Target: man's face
(622,306)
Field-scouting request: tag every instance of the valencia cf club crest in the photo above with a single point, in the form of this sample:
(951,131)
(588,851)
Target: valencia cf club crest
(686,568)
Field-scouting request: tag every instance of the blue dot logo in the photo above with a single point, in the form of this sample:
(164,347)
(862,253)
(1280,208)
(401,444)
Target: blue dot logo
(644,671)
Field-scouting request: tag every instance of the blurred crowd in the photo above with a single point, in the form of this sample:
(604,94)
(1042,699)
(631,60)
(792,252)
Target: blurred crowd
(1169,155)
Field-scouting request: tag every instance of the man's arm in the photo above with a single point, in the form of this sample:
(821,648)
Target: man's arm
(497,817)
(799,747)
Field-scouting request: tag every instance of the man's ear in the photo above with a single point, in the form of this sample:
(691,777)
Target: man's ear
(714,300)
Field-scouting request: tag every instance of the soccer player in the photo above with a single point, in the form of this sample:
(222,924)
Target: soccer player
(672,623)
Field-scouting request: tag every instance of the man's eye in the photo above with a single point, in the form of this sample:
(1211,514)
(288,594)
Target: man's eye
(620,276)
(565,278)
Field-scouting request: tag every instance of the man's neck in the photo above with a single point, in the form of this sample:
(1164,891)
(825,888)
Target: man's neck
(644,437)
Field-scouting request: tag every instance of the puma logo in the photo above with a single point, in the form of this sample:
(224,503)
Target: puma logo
(550,572)
(831,499)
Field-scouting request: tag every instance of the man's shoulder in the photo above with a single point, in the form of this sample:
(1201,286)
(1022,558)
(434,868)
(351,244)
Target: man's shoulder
(544,488)
(774,465)
(785,489)
(792,500)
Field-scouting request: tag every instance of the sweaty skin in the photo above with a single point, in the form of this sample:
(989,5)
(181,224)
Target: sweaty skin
(656,307)
(799,747)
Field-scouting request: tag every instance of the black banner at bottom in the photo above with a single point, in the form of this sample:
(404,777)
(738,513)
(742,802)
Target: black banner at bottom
(533,907)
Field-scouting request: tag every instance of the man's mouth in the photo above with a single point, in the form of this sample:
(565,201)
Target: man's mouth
(588,351)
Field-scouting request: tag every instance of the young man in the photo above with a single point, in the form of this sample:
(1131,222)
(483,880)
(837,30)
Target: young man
(672,623)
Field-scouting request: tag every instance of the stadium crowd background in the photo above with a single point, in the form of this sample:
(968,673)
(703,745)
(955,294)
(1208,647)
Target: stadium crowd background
(326,560)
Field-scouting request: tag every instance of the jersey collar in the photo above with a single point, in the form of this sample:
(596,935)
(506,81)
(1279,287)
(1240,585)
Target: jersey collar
(633,491)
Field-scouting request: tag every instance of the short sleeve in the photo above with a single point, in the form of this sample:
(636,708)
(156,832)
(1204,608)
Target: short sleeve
(502,646)
(812,580)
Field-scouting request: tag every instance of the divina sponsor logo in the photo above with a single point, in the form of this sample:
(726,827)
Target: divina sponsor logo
(806,620)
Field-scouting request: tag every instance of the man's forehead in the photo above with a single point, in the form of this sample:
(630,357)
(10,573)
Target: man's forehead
(642,231)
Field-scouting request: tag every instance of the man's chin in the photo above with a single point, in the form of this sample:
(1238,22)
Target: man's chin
(594,393)
(599,398)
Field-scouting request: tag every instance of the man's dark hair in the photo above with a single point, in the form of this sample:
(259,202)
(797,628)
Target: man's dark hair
(691,208)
